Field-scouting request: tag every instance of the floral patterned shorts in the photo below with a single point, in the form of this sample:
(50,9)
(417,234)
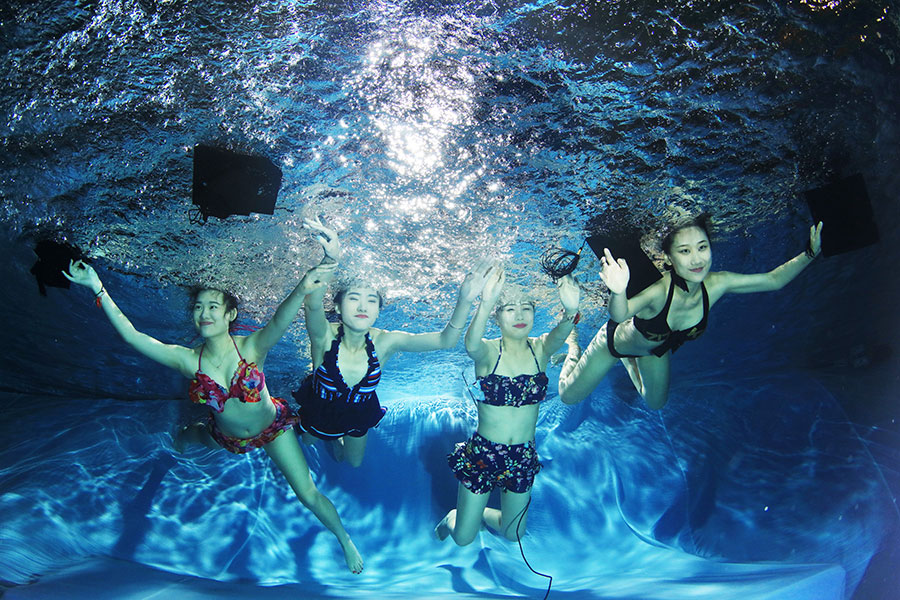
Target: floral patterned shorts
(482,465)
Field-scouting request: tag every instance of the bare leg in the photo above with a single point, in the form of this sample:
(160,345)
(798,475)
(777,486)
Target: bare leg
(650,375)
(336,447)
(634,372)
(512,517)
(354,449)
(195,433)
(308,438)
(578,378)
(464,521)
(286,454)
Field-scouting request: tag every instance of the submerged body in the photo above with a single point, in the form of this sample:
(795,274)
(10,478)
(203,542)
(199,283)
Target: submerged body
(643,331)
(226,374)
(338,400)
(502,453)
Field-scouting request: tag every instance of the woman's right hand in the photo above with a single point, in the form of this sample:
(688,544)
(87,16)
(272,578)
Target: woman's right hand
(83,274)
(317,277)
(494,286)
(325,236)
(614,273)
(474,282)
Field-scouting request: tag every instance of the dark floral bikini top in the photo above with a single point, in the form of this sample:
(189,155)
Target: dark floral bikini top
(246,385)
(521,390)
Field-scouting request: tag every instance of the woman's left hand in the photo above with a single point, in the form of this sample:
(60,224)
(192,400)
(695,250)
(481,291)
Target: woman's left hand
(475,281)
(325,236)
(569,293)
(815,239)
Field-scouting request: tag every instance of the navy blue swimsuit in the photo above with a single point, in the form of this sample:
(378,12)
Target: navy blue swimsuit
(329,408)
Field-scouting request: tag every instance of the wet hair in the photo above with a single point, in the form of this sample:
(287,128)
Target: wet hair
(703,221)
(230,300)
(343,288)
(512,295)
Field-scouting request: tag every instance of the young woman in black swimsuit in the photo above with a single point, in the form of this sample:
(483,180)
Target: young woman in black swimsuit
(643,331)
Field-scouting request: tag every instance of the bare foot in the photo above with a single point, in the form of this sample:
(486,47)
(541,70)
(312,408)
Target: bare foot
(353,557)
(442,530)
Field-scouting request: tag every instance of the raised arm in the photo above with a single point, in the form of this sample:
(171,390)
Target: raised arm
(615,275)
(569,296)
(173,356)
(401,341)
(475,345)
(777,278)
(316,278)
(314,304)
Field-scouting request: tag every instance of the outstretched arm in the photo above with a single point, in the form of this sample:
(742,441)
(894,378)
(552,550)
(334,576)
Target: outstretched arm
(401,341)
(171,355)
(569,296)
(778,277)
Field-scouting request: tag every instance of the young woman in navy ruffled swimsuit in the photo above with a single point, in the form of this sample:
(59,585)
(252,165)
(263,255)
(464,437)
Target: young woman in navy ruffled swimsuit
(338,400)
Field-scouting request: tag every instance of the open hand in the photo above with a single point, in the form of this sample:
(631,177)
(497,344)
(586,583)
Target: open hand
(815,239)
(493,286)
(569,293)
(614,273)
(475,281)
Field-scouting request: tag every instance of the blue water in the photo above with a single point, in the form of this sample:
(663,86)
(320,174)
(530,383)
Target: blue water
(432,134)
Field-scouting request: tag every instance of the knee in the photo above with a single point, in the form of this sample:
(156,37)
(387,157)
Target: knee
(514,534)
(656,401)
(309,496)
(354,461)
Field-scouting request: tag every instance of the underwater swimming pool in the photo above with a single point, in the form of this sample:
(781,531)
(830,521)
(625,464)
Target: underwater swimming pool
(432,134)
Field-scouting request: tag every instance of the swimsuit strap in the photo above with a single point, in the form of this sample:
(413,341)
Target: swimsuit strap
(665,310)
(705,300)
(536,364)
(203,347)
(236,348)
(533,355)
(498,356)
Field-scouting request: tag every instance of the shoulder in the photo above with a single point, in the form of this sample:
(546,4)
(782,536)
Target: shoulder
(538,346)
(719,283)
(651,299)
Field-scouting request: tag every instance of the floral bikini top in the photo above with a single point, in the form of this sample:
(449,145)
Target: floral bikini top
(246,385)
(521,390)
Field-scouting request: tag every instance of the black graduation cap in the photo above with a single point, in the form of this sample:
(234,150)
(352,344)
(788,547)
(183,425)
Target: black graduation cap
(846,214)
(227,183)
(627,245)
(53,259)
